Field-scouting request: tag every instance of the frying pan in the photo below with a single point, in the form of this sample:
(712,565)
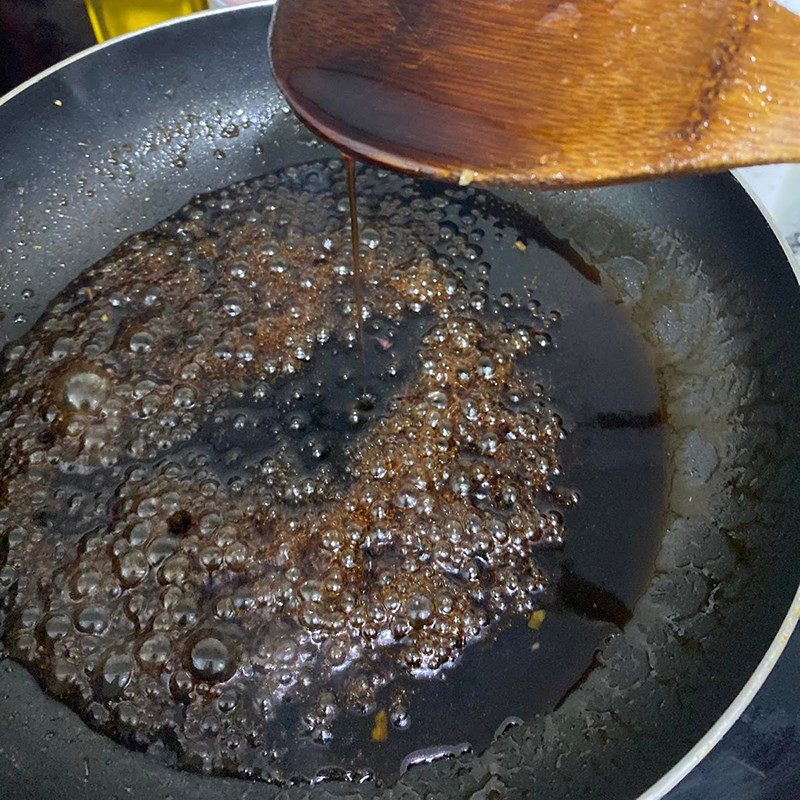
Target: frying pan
(116,138)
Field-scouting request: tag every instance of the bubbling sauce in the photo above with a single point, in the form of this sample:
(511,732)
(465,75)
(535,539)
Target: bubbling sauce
(210,541)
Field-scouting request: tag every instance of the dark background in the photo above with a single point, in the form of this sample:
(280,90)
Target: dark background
(37,33)
(760,758)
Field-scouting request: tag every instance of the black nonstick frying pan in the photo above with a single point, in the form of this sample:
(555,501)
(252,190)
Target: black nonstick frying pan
(117,138)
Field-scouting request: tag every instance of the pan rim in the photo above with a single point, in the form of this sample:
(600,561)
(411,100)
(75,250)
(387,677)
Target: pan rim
(747,693)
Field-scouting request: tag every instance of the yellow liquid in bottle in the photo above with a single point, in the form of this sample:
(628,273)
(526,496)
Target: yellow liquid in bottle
(111,18)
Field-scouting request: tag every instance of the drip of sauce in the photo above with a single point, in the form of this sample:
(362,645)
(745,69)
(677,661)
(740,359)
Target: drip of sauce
(355,240)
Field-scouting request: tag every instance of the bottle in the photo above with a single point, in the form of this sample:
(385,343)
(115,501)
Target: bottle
(111,18)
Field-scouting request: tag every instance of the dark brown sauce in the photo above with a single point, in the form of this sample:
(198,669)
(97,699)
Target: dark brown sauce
(604,388)
(591,363)
(355,241)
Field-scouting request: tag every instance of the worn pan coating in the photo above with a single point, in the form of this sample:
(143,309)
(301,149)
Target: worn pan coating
(113,140)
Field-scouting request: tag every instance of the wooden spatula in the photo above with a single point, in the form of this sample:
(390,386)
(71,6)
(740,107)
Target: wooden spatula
(545,92)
